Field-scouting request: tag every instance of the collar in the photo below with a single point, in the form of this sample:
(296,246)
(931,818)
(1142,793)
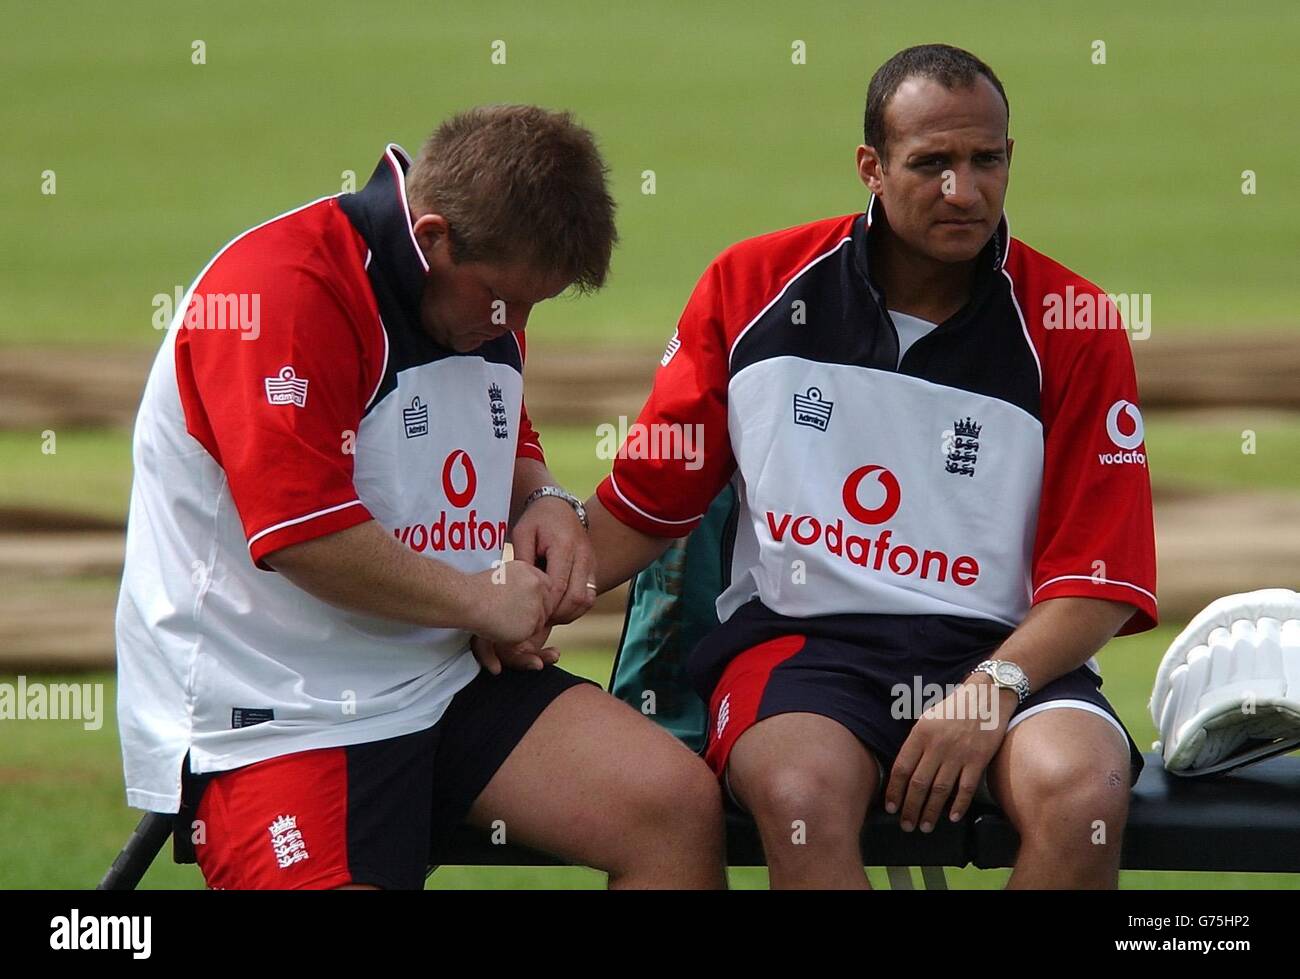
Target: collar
(382,216)
(990,259)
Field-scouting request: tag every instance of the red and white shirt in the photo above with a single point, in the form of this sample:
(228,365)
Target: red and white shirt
(295,395)
(998,462)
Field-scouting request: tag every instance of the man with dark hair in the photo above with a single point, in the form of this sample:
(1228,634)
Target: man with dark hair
(316,535)
(943,507)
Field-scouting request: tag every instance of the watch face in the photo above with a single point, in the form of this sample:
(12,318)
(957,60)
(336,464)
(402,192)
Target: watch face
(1008,673)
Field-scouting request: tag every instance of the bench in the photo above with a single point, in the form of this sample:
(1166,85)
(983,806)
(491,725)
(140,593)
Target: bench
(1246,821)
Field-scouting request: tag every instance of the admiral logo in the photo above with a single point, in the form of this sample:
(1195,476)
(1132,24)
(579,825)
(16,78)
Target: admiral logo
(1121,416)
(961,445)
(674,345)
(459,484)
(416,418)
(497,407)
(287,388)
(880,554)
(812,410)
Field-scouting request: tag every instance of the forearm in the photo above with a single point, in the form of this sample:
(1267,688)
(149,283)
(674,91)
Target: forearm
(364,569)
(529,475)
(1060,634)
(620,551)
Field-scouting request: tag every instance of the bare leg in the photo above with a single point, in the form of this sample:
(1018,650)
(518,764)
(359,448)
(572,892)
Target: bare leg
(595,783)
(808,781)
(1062,778)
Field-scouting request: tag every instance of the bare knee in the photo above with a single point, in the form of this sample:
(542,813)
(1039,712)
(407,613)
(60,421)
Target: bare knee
(806,802)
(675,797)
(1071,801)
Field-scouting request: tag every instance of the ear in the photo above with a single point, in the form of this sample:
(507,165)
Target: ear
(870,169)
(1011,143)
(432,233)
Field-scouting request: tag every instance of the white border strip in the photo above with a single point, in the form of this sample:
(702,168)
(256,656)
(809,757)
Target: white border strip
(297,520)
(1090,707)
(1103,581)
(391,153)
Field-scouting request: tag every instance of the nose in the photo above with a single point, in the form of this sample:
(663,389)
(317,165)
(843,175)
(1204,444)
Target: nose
(959,188)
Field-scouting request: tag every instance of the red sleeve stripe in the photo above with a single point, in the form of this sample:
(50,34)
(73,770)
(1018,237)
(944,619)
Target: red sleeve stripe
(1099,581)
(772,302)
(649,516)
(297,520)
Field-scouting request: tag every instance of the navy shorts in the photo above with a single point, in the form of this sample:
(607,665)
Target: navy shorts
(380,813)
(874,674)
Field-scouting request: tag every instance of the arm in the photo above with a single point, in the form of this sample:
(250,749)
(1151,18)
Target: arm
(621,551)
(364,569)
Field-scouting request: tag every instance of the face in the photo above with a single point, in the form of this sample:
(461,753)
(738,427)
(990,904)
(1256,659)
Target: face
(949,160)
(466,304)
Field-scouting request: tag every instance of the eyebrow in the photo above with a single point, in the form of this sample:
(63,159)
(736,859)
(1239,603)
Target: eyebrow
(922,154)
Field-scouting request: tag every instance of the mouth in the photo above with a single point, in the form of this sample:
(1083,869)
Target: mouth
(961,222)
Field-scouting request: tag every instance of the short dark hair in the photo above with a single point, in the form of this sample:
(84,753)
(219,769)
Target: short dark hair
(518,183)
(950,67)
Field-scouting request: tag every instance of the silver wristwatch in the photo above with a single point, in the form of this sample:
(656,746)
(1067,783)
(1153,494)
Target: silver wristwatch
(558,493)
(1007,675)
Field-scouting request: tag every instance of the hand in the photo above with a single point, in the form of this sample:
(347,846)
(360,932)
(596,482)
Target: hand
(549,529)
(531,654)
(509,603)
(949,749)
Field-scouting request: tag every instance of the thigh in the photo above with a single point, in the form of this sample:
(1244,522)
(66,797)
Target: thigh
(1061,747)
(585,772)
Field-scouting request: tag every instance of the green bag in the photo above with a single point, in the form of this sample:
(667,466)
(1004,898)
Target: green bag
(670,608)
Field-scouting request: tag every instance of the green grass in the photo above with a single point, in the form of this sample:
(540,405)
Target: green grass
(1128,171)
(63,815)
(1208,455)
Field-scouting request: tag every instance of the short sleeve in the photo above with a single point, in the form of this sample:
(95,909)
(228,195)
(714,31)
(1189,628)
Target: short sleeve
(676,457)
(1095,535)
(278,406)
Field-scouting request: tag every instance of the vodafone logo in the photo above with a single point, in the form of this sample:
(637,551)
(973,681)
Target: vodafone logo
(459,498)
(882,554)
(886,483)
(1124,428)
(1133,421)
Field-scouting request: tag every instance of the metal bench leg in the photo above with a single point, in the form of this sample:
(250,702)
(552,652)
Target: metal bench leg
(900,878)
(934,878)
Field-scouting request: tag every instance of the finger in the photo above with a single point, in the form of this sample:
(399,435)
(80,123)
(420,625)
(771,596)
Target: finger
(580,596)
(559,562)
(969,785)
(945,780)
(901,773)
(486,655)
(550,655)
(524,546)
(918,788)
